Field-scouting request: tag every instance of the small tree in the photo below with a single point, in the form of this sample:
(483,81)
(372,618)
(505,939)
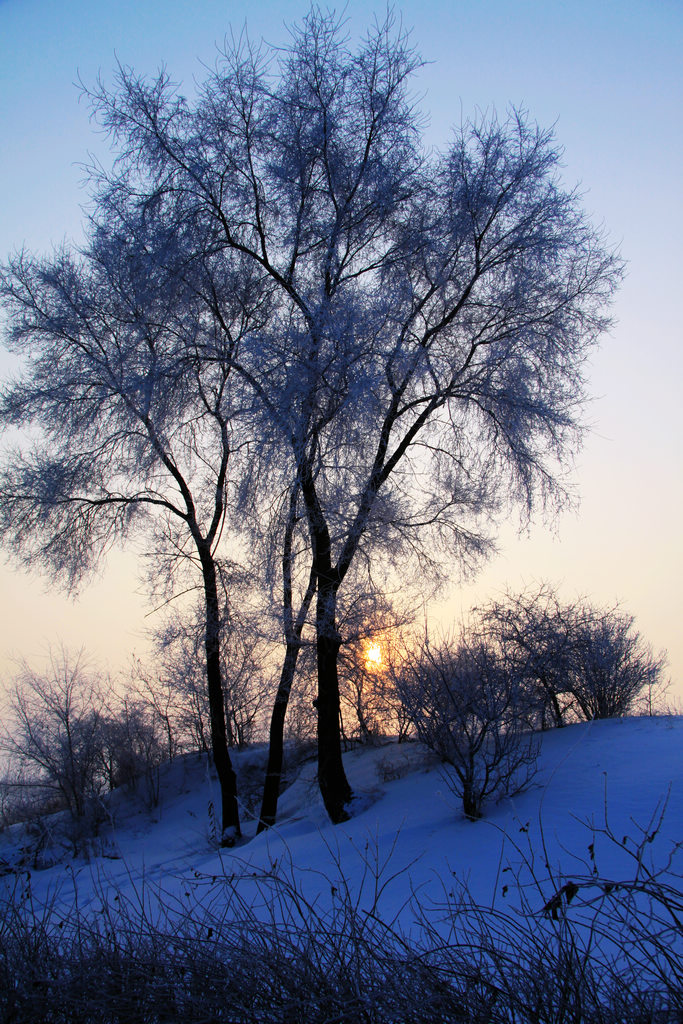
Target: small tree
(133,747)
(612,663)
(370,707)
(464,704)
(572,657)
(157,698)
(360,692)
(178,675)
(535,634)
(177,682)
(377,607)
(54,733)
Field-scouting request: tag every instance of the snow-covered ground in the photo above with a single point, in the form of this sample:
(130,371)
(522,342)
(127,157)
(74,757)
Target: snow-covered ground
(407,833)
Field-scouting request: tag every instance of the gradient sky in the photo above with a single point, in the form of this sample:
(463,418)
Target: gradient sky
(608,74)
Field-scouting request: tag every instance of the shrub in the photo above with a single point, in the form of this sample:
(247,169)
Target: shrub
(465,705)
(612,664)
(573,658)
(54,735)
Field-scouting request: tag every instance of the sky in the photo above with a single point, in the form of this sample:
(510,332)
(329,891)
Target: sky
(607,75)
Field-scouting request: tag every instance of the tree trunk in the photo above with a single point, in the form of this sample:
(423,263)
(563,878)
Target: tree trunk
(470,803)
(334,786)
(271,788)
(293,630)
(557,710)
(230,822)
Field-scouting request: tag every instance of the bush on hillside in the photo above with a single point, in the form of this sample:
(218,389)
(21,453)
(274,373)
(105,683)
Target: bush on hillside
(465,705)
(573,659)
(67,742)
(53,736)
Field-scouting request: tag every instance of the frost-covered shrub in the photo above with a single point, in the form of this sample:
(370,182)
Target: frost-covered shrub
(465,705)
(613,665)
(573,658)
(53,734)
(534,633)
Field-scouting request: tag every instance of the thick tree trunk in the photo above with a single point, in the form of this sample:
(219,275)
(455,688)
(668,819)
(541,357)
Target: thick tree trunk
(470,803)
(557,711)
(271,788)
(334,786)
(230,822)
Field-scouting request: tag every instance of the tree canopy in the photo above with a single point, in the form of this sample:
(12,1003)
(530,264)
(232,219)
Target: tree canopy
(407,328)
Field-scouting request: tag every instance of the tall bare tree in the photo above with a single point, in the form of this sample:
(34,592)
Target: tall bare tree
(128,427)
(426,315)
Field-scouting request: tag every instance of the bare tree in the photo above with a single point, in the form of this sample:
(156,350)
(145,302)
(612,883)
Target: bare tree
(132,746)
(174,681)
(430,313)
(178,663)
(535,632)
(161,701)
(370,623)
(129,428)
(361,692)
(613,664)
(426,316)
(54,732)
(572,657)
(465,706)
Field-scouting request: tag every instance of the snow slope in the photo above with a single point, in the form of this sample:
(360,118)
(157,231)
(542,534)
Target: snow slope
(407,845)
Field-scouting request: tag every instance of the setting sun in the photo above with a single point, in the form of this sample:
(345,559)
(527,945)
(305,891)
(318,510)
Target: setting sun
(373,656)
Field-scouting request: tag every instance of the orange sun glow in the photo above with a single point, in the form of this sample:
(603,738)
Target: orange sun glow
(373,656)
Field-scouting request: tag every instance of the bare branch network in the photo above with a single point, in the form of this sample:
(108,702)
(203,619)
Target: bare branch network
(282,289)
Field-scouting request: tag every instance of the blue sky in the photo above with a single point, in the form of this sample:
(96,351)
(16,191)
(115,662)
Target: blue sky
(608,75)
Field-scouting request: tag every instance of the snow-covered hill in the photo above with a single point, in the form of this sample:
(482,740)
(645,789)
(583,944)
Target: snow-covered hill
(601,824)
(623,771)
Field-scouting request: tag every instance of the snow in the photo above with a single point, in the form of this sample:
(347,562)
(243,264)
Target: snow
(407,847)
